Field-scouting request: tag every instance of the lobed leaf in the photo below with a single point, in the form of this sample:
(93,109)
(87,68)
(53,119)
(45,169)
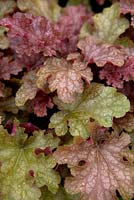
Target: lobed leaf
(100,54)
(48,8)
(109,24)
(64,77)
(20,175)
(98,169)
(98,102)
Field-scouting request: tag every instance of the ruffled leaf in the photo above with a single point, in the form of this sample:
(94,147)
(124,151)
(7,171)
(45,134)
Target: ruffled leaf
(98,102)
(20,174)
(47,8)
(96,52)
(98,170)
(9,66)
(116,76)
(64,77)
(109,24)
(30,34)
(69,25)
(127,6)
(40,104)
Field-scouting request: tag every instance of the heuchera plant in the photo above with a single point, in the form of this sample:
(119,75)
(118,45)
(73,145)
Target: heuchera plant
(66,100)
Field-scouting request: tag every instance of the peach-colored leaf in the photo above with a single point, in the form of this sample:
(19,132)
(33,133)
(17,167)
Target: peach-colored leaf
(98,169)
(65,77)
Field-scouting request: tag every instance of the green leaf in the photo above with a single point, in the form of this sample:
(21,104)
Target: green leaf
(48,8)
(60,195)
(6,7)
(109,24)
(18,160)
(77,2)
(125,42)
(85,30)
(98,102)
(3,40)
(27,90)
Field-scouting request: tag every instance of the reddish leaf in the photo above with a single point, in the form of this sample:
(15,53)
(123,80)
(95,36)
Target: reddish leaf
(127,6)
(9,66)
(100,2)
(98,169)
(30,34)
(116,76)
(40,104)
(69,26)
(96,52)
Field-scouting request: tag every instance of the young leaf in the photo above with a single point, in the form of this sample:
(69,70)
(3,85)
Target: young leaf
(22,171)
(98,169)
(48,8)
(64,77)
(109,24)
(96,52)
(98,102)
(28,89)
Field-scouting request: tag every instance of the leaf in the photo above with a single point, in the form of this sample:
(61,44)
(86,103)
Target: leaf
(40,104)
(28,89)
(60,195)
(30,35)
(20,174)
(127,6)
(132,21)
(96,52)
(68,26)
(9,65)
(100,2)
(64,77)
(48,8)
(109,24)
(98,169)
(116,76)
(125,123)
(85,31)
(3,40)
(7,104)
(77,2)
(98,102)
(6,7)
